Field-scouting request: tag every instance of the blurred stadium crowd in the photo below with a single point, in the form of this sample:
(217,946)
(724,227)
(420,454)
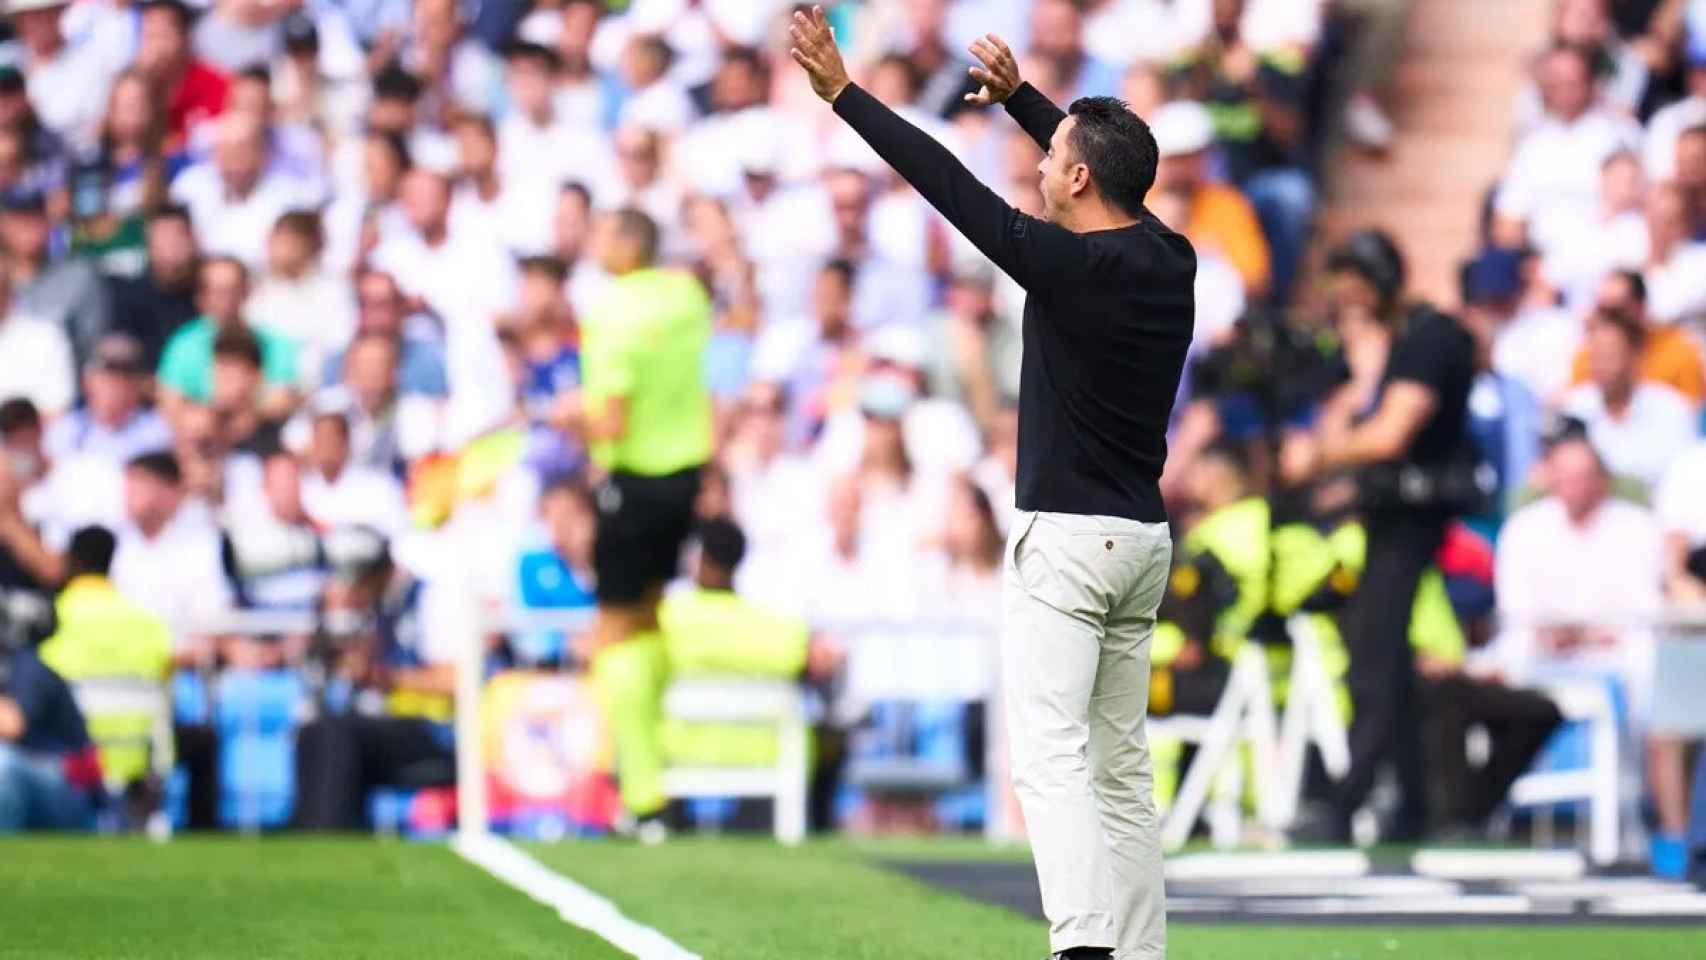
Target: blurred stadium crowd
(279,270)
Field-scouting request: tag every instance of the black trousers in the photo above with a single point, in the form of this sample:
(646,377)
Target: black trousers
(1517,723)
(197,748)
(339,759)
(1376,626)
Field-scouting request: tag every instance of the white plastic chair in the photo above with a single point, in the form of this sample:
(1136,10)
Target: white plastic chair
(1244,716)
(746,702)
(1597,783)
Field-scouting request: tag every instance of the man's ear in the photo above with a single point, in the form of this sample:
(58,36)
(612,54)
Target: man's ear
(1079,180)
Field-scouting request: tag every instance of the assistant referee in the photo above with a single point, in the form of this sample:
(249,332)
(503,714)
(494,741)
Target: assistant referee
(645,414)
(1108,314)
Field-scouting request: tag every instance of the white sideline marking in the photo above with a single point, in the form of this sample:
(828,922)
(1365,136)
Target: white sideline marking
(1499,864)
(574,903)
(1315,864)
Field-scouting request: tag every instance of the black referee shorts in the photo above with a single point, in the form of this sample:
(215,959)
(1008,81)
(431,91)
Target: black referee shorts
(642,524)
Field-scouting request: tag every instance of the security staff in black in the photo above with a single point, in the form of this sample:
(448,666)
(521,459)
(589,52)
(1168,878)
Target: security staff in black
(1108,314)
(1399,426)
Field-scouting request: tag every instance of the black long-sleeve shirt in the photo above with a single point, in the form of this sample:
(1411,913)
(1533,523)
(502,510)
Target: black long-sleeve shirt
(1108,318)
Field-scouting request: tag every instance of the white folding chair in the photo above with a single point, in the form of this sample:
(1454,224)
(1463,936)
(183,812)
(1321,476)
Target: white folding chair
(746,702)
(1311,718)
(1244,717)
(1596,784)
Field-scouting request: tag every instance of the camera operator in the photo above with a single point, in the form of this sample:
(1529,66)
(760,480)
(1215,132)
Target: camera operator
(387,698)
(1399,424)
(49,775)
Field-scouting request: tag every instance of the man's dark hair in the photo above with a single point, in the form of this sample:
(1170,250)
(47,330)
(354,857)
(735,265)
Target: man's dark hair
(305,224)
(522,51)
(395,83)
(634,224)
(18,413)
(1117,147)
(162,465)
(1637,284)
(240,345)
(1619,320)
(171,211)
(842,267)
(1232,454)
(722,543)
(748,57)
(908,70)
(257,73)
(579,189)
(90,552)
(180,12)
(658,47)
(552,267)
(478,121)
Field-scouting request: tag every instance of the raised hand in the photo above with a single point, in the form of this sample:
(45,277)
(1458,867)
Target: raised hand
(999,73)
(814,49)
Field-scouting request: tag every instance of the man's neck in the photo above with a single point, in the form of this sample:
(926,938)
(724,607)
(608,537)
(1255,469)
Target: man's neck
(1581,519)
(1092,217)
(241,189)
(111,419)
(435,235)
(1618,397)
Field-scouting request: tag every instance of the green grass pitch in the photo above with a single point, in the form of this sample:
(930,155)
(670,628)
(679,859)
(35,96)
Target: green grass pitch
(68,899)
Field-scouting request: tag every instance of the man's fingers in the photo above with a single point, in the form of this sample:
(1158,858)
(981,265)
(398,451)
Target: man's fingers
(981,76)
(818,16)
(1001,46)
(984,53)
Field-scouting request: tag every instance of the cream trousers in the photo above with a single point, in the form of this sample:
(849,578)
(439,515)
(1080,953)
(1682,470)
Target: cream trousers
(1079,599)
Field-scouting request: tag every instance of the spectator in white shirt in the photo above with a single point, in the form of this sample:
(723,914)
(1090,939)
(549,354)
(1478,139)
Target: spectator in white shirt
(1667,124)
(654,102)
(67,84)
(538,144)
(459,73)
(168,553)
(771,486)
(337,492)
(299,299)
(112,426)
(1578,260)
(47,378)
(1671,261)
(1552,185)
(1680,502)
(639,159)
(235,198)
(513,215)
(1624,65)
(1572,572)
(461,277)
(389,428)
(1691,177)
(1637,426)
(884,291)
(362,213)
(294,148)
